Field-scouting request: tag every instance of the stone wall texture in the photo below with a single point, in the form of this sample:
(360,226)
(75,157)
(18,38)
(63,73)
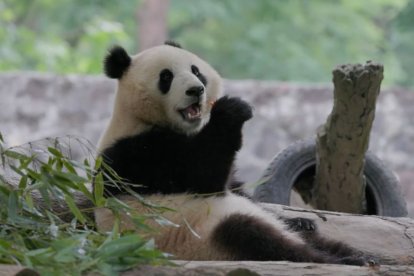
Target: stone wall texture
(34,106)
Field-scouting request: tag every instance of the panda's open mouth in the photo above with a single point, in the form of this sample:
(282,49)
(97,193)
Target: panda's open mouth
(191,112)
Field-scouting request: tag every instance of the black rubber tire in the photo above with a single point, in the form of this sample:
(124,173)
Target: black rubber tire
(383,193)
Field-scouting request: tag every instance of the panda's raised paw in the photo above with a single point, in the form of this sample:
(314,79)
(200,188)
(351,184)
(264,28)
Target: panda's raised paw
(232,109)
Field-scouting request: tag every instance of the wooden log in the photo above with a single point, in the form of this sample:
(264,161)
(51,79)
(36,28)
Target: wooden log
(245,268)
(343,141)
(389,239)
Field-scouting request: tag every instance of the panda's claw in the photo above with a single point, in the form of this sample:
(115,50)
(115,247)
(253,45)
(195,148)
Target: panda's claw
(301,224)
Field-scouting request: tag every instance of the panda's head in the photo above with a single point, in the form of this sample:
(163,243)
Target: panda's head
(164,85)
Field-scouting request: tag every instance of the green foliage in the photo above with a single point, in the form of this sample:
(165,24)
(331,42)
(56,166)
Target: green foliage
(289,40)
(33,178)
(296,40)
(60,36)
(403,43)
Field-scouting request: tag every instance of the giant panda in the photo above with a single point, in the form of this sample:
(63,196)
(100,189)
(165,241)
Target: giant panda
(174,137)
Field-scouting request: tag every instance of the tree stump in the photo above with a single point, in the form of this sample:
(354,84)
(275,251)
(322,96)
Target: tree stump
(343,141)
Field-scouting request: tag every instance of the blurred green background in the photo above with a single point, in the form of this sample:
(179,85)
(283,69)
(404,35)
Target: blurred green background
(295,40)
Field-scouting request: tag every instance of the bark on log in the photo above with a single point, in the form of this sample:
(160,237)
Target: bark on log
(266,268)
(343,141)
(245,268)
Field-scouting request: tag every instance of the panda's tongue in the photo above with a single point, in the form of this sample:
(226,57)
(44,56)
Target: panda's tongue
(192,112)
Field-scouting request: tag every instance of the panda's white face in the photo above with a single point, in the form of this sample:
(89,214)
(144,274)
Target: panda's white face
(169,86)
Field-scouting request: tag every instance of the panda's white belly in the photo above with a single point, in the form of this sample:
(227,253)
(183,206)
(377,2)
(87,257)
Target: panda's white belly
(195,219)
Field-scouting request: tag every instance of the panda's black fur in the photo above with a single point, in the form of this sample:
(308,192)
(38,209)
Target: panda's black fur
(116,63)
(173,43)
(190,169)
(171,162)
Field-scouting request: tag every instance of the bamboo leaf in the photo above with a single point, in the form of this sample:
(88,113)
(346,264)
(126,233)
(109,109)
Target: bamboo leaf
(29,200)
(45,195)
(69,167)
(121,246)
(139,222)
(114,203)
(191,229)
(98,190)
(55,152)
(15,155)
(25,163)
(69,176)
(98,163)
(165,222)
(85,191)
(74,209)
(17,170)
(23,182)
(33,174)
(38,238)
(4,190)
(59,164)
(13,206)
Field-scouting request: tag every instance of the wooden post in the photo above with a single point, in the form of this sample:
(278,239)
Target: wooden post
(343,140)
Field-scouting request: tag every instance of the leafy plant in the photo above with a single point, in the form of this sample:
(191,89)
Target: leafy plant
(296,40)
(44,227)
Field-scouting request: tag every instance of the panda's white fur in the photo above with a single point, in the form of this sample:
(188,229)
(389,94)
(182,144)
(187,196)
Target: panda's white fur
(220,226)
(195,219)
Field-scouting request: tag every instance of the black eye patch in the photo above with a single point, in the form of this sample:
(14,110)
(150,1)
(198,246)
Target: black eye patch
(165,80)
(196,72)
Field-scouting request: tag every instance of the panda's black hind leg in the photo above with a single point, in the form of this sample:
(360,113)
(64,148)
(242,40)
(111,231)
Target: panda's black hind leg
(249,238)
(345,253)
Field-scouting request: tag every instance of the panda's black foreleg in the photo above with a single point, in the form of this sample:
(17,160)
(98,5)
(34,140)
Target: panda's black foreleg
(226,121)
(214,148)
(247,237)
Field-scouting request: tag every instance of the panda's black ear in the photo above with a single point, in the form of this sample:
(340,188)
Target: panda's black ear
(172,43)
(116,62)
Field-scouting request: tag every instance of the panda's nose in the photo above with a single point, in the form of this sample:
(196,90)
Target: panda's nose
(195,91)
